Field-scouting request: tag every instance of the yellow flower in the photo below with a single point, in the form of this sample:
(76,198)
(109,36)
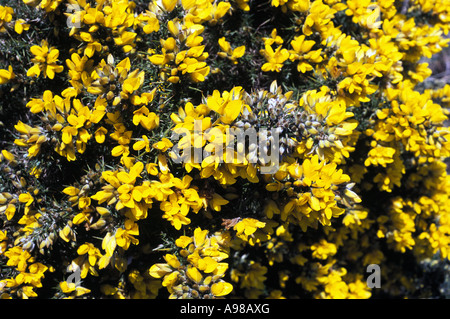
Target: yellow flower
(44,60)
(228,104)
(152,169)
(218,11)
(163,145)
(20,26)
(160,59)
(243,5)
(8,156)
(169,5)
(131,84)
(109,244)
(160,270)
(275,59)
(227,52)
(69,287)
(92,252)
(6,15)
(66,233)
(247,227)
(100,135)
(172,260)
(26,198)
(10,211)
(301,51)
(126,40)
(125,237)
(323,249)
(221,289)
(144,143)
(144,98)
(18,257)
(274,38)
(359,290)
(31,137)
(380,155)
(196,272)
(217,202)
(148,21)
(47,5)
(174,212)
(6,75)
(193,274)
(3,241)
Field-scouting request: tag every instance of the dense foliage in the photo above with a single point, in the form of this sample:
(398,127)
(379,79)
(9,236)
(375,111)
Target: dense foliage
(113,114)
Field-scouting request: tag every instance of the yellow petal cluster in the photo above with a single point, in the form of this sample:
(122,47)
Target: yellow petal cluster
(197,269)
(224,149)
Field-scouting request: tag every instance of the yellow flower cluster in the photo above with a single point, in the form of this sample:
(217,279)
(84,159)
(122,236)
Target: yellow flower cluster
(114,17)
(183,52)
(44,60)
(175,195)
(415,122)
(47,5)
(335,287)
(7,23)
(198,270)
(6,15)
(222,148)
(6,20)
(29,273)
(314,191)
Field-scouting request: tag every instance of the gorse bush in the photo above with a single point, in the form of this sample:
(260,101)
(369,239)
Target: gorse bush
(119,178)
